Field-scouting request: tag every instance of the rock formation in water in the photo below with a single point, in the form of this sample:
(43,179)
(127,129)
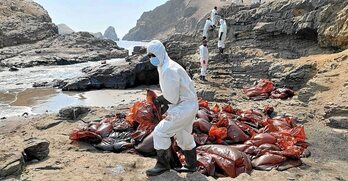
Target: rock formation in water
(64,29)
(29,38)
(110,33)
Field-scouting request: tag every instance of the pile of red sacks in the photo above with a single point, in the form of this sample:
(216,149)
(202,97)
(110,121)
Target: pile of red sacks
(265,89)
(229,141)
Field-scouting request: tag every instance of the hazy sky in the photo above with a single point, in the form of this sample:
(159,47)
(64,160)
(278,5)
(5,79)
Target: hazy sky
(97,15)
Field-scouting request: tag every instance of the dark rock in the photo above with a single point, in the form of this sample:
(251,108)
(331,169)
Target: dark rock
(3,118)
(11,164)
(40,84)
(338,122)
(36,149)
(116,75)
(139,50)
(12,69)
(333,110)
(47,125)
(56,83)
(73,113)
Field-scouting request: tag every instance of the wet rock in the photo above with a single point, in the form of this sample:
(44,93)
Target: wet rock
(36,149)
(139,50)
(11,164)
(40,84)
(56,83)
(338,122)
(73,113)
(118,75)
(12,69)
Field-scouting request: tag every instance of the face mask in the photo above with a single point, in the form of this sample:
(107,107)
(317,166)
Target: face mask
(154,61)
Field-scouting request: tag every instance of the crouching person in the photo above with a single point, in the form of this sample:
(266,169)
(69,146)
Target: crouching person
(179,93)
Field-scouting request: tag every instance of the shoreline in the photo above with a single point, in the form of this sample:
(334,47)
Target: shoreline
(83,161)
(49,100)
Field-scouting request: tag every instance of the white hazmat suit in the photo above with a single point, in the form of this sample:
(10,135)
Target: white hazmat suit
(204,56)
(177,88)
(222,29)
(213,16)
(207,25)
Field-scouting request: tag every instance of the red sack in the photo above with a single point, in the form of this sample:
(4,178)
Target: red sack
(203,103)
(219,134)
(231,161)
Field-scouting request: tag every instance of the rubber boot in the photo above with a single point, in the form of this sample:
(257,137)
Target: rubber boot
(162,165)
(191,161)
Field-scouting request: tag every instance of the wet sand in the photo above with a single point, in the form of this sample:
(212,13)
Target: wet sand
(49,100)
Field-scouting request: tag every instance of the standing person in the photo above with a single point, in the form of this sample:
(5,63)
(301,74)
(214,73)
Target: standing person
(204,57)
(208,25)
(179,92)
(213,16)
(222,35)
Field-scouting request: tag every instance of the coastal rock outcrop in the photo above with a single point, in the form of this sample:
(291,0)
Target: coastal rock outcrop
(29,38)
(175,16)
(136,71)
(24,22)
(61,50)
(110,33)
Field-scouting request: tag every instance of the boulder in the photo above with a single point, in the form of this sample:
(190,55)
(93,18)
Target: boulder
(338,122)
(36,149)
(11,164)
(116,75)
(73,113)
(139,50)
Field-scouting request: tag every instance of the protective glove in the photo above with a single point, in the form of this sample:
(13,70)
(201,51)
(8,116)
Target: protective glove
(160,100)
(162,103)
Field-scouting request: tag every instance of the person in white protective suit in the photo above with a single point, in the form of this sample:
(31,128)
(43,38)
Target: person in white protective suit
(222,35)
(213,16)
(208,25)
(179,93)
(204,56)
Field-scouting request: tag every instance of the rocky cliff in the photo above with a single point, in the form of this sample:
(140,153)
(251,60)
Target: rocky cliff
(64,29)
(24,22)
(110,33)
(175,16)
(29,38)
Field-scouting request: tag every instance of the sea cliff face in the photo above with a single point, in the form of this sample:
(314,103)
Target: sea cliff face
(29,38)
